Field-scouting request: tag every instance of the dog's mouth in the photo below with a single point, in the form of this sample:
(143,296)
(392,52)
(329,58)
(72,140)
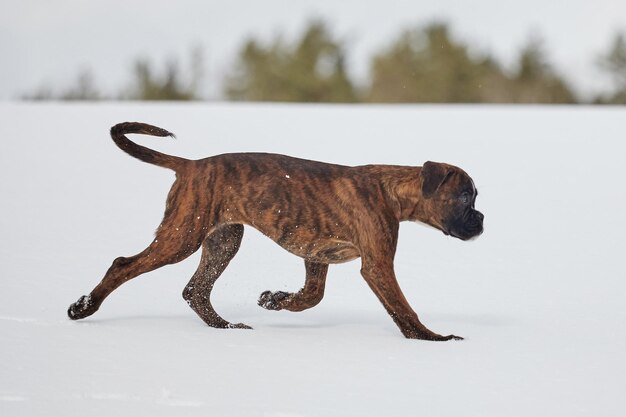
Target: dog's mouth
(466,229)
(465,237)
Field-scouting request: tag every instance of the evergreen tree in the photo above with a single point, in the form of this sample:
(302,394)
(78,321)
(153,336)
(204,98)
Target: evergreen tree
(429,66)
(148,86)
(312,70)
(83,89)
(614,63)
(535,81)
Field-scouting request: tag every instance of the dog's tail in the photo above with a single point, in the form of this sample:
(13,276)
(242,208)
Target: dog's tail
(142,153)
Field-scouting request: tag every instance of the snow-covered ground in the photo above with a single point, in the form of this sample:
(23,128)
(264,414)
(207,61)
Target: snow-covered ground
(540,297)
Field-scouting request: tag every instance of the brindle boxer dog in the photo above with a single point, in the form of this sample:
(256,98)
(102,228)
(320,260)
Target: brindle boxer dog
(323,213)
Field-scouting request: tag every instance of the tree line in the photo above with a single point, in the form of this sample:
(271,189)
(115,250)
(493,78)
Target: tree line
(421,65)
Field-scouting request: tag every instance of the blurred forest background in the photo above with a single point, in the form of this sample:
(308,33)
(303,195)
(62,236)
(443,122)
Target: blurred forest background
(421,65)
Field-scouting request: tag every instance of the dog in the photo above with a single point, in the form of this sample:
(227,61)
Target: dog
(323,213)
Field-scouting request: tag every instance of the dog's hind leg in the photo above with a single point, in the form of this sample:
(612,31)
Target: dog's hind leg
(176,239)
(217,251)
(309,296)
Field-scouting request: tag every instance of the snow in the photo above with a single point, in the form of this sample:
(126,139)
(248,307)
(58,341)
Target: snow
(540,297)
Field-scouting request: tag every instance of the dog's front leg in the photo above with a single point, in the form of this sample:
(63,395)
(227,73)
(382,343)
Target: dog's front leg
(309,296)
(380,276)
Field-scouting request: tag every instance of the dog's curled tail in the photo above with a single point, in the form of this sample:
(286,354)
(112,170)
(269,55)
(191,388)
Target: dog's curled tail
(142,153)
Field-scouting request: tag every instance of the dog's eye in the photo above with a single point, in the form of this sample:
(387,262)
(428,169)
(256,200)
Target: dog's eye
(465,198)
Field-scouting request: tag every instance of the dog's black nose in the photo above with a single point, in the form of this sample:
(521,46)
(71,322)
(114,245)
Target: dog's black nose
(480,216)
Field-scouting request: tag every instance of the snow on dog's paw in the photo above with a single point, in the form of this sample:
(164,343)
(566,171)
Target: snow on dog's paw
(82,308)
(271,300)
(450,337)
(238,326)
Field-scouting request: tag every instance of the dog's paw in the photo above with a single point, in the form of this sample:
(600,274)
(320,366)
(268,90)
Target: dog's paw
(271,300)
(82,308)
(413,333)
(238,326)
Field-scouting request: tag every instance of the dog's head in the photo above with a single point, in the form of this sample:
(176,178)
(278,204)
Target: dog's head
(449,196)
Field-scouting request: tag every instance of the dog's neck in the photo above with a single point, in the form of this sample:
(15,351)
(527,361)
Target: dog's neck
(405,190)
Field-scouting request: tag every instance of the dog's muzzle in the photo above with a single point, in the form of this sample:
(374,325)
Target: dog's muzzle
(469,226)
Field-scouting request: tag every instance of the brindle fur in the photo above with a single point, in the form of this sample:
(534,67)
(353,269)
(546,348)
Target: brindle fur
(323,213)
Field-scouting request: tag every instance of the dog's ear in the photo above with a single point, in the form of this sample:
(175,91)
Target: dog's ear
(433,176)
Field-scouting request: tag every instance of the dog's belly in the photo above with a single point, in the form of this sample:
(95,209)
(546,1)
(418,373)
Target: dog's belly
(330,250)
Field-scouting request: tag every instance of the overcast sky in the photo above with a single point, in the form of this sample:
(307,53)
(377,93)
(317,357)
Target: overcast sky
(47,42)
